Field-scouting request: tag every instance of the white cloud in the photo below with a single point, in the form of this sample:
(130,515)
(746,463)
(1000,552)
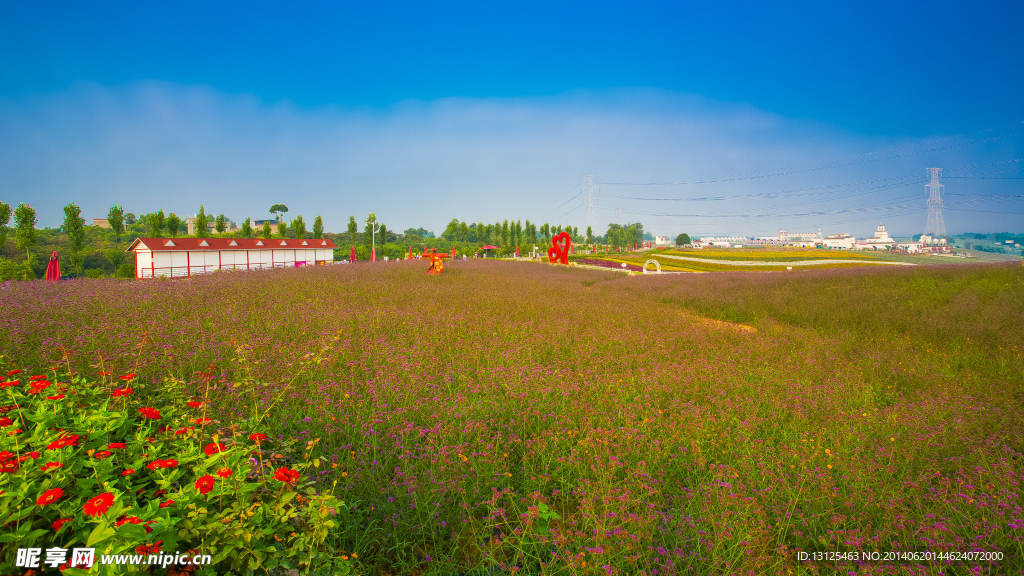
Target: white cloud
(155,145)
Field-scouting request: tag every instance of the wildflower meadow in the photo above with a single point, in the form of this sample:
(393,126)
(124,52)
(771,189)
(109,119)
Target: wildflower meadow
(519,418)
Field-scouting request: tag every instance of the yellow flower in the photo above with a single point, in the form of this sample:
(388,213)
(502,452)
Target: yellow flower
(892,439)
(829,466)
(827,451)
(343,474)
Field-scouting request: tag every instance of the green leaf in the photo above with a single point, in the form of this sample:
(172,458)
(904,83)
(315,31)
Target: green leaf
(99,534)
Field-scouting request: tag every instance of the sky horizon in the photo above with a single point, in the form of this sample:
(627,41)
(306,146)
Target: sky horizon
(728,120)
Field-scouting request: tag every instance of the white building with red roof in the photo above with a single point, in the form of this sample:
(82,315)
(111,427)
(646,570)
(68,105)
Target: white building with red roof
(178,257)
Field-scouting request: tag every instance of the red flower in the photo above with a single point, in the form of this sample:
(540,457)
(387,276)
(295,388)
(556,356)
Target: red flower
(104,374)
(9,466)
(37,377)
(50,496)
(194,404)
(99,504)
(205,484)
(150,413)
(167,503)
(63,442)
(168,463)
(57,525)
(257,437)
(159,493)
(51,465)
(128,472)
(37,389)
(127,520)
(34,455)
(203,421)
(224,472)
(39,384)
(116,445)
(286,475)
(180,431)
(102,454)
(128,377)
(7,384)
(55,397)
(13,372)
(213,448)
(5,421)
(121,392)
(154,549)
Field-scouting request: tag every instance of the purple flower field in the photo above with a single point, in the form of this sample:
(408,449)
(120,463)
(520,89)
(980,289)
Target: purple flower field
(512,417)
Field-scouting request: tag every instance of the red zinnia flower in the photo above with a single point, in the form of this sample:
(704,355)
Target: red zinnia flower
(213,448)
(167,503)
(102,454)
(99,504)
(37,389)
(63,442)
(194,404)
(5,421)
(203,421)
(51,465)
(121,392)
(286,475)
(128,520)
(7,384)
(58,524)
(128,472)
(13,372)
(257,437)
(168,463)
(224,472)
(39,383)
(150,413)
(9,466)
(183,430)
(116,445)
(50,496)
(103,374)
(153,549)
(128,377)
(37,377)
(205,484)
(55,397)
(34,455)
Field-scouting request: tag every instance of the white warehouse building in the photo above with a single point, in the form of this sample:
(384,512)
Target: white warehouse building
(178,257)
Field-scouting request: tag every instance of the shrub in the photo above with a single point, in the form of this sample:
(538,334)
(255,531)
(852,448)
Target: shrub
(113,466)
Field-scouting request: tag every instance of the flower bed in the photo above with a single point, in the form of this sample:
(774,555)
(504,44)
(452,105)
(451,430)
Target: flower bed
(86,464)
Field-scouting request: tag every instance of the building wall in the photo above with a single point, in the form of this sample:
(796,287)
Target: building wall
(184,263)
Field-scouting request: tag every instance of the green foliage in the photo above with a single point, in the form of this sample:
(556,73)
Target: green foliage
(278,210)
(10,270)
(282,228)
(299,227)
(5,219)
(125,270)
(247,231)
(115,217)
(202,223)
(94,273)
(683,239)
(156,223)
(318,227)
(173,480)
(25,227)
(74,227)
(173,224)
(220,224)
(115,257)
(267,232)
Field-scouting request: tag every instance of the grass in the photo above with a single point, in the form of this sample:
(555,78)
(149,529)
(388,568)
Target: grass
(513,417)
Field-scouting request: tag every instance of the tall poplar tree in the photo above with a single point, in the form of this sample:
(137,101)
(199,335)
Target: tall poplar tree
(318,227)
(115,217)
(25,228)
(74,227)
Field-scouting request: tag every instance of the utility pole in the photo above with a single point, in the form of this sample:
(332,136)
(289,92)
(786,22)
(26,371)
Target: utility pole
(935,227)
(591,202)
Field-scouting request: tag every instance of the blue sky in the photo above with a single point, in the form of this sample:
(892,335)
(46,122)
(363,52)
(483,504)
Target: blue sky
(483,111)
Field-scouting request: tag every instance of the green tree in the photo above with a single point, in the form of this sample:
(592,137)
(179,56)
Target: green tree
(5,219)
(299,227)
(282,228)
(451,232)
(278,210)
(25,228)
(221,224)
(156,223)
(115,217)
(74,227)
(202,221)
(318,227)
(683,239)
(247,228)
(505,237)
(382,235)
(464,231)
(353,229)
(590,235)
(267,231)
(173,224)
(130,219)
(369,231)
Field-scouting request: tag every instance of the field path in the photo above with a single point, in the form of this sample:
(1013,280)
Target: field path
(796,263)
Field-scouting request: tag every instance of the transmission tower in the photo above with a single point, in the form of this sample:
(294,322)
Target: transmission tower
(935,227)
(589,179)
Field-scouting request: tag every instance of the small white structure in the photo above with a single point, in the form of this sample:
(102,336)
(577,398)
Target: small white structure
(910,247)
(841,240)
(802,239)
(880,241)
(178,257)
(662,241)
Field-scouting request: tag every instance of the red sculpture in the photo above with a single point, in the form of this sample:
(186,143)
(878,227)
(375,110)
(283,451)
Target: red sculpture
(559,251)
(436,261)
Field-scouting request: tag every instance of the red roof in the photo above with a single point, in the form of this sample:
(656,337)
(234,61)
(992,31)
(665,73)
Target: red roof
(168,244)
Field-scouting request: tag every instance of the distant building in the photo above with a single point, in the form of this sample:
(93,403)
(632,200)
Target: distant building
(662,240)
(101,222)
(805,239)
(841,240)
(177,257)
(880,241)
(211,225)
